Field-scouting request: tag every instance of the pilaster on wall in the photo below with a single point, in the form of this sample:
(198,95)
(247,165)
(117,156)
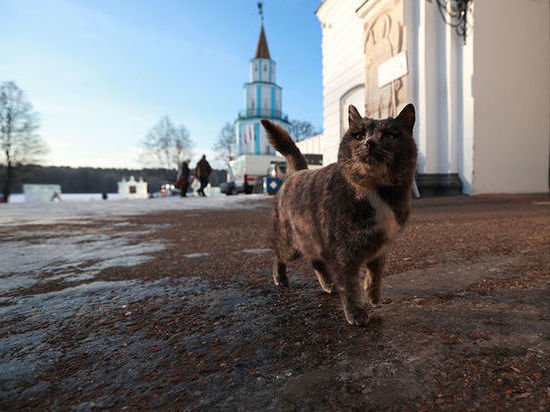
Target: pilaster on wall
(428,88)
(435,86)
(410,23)
(465,137)
(449,152)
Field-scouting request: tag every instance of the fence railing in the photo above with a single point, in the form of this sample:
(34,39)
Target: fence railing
(272,114)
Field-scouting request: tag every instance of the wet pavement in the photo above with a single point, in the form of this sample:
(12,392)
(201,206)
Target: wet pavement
(176,309)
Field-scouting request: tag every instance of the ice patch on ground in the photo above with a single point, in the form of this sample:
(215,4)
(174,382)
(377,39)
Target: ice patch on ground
(13,214)
(196,255)
(256,251)
(31,345)
(25,263)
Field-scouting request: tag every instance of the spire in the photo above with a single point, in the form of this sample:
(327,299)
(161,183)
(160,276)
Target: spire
(262,51)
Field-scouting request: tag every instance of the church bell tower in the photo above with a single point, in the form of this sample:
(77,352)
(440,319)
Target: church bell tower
(262,100)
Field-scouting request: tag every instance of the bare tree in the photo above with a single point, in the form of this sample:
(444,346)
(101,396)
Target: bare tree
(226,144)
(19,142)
(300,129)
(166,145)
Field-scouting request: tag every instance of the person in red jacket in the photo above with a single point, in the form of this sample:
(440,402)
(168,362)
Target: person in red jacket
(182,181)
(202,172)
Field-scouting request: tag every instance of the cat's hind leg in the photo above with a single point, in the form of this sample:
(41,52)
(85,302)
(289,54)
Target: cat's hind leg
(279,273)
(373,279)
(283,254)
(322,275)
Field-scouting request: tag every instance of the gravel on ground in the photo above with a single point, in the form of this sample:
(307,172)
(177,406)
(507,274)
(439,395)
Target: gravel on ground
(176,309)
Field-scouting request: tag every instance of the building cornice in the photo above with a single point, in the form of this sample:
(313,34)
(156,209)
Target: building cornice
(268,83)
(369,6)
(261,58)
(256,118)
(320,7)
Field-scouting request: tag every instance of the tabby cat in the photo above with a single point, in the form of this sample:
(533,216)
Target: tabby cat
(342,217)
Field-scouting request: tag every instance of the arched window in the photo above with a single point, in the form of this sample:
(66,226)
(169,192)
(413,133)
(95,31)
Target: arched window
(355,96)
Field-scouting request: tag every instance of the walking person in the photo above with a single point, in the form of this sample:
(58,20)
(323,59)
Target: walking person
(202,172)
(182,181)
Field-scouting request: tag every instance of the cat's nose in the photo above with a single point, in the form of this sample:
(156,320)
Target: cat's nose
(369,143)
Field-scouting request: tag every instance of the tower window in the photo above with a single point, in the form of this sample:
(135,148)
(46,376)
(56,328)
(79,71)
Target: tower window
(265,67)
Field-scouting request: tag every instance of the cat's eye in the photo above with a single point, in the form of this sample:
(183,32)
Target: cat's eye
(358,137)
(388,136)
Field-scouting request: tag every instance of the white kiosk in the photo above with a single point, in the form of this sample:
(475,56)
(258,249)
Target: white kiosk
(38,193)
(132,189)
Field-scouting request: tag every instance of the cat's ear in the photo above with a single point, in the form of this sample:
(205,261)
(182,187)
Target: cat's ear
(407,117)
(353,115)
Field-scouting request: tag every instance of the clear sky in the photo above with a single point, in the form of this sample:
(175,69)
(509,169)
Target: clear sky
(100,73)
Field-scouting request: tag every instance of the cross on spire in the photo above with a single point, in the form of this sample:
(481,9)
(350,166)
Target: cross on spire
(261,11)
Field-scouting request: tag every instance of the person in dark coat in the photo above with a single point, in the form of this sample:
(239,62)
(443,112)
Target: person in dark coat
(182,181)
(202,172)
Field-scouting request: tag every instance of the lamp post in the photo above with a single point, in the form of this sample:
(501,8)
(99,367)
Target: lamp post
(455,14)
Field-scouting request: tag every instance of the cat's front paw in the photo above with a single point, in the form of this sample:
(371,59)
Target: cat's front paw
(325,285)
(356,316)
(373,298)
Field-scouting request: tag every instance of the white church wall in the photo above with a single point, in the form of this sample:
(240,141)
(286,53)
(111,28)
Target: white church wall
(492,128)
(343,66)
(311,145)
(512,96)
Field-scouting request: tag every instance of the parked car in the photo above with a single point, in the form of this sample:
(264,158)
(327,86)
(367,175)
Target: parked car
(229,187)
(277,169)
(245,174)
(168,190)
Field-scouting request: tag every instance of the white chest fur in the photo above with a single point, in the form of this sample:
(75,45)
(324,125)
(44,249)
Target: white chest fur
(384,216)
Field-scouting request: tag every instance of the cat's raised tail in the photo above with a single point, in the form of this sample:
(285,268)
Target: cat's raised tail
(283,143)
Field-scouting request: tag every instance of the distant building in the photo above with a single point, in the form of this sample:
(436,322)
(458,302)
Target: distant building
(262,100)
(311,144)
(132,189)
(39,193)
(482,95)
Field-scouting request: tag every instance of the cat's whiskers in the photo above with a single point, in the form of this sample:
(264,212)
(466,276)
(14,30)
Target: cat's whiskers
(386,154)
